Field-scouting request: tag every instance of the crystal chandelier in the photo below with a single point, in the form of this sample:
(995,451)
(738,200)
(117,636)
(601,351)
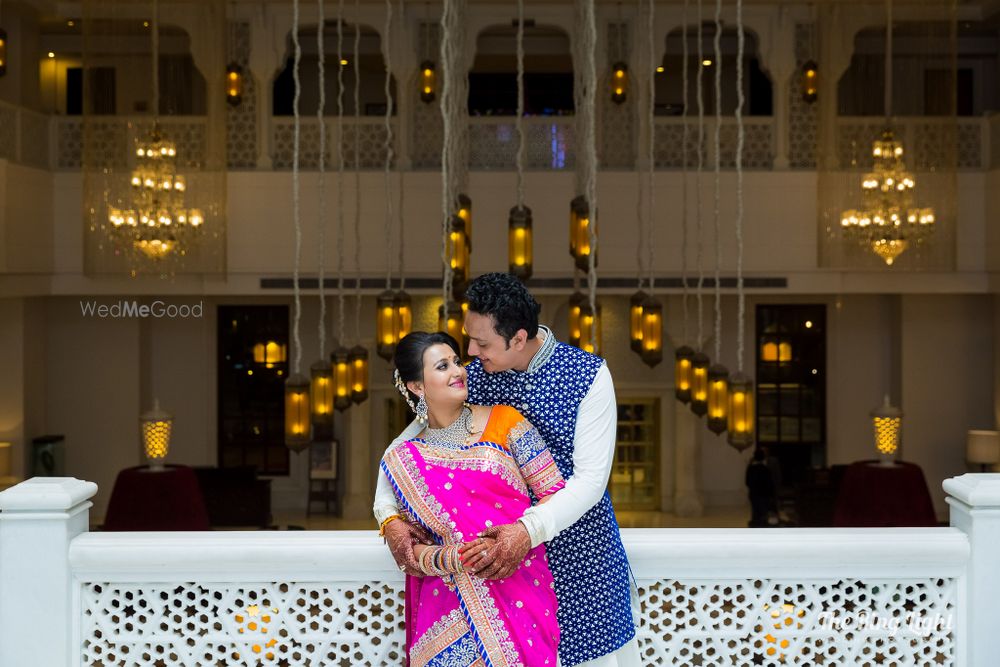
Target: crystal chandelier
(156,223)
(888,221)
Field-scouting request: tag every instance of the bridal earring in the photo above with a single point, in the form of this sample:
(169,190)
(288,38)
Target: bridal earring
(421,410)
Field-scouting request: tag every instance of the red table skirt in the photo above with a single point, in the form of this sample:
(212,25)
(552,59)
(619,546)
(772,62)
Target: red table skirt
(875,496)
(145,499)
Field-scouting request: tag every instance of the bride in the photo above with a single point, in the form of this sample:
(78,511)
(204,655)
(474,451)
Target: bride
(470,468)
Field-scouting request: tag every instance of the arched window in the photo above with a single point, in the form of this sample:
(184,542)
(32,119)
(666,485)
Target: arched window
(669,83)
(548,72)
(372,73)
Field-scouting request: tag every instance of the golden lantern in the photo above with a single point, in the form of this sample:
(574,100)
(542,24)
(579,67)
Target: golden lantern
(774,351)
(3,51)
(450,320)
(270,353)
(699,383)
(619,82)
(635,320)
(579,233)
(887,422)
(428,81)
(297,436)
(682,373)
(341,369)
(741,414)
(718,398)
(519,250)
(809,82)
(357,358)
(464,211)
(590,329)
(155,426)
(403,315)
(321,393)
(573,320)
(234,84)
(457,254)
(652,332)
(385,329)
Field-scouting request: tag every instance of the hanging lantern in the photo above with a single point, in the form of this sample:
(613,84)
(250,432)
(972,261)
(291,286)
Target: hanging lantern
(464,211)
(155,426)
(652,332)
(403,316)
(458,254)
(385,329)
(718,398)
(428,81)
(699,383)
(887,421)
(774,351)
(741,413)
(682,373)
(341,369)
(297,435)
(579,232)
(635,320)
(450,321)
(575,309)
(519,250)
(269,354)
(3,51)
(234,84)
(358,360)
(321,393)
(810,82)
(619,82)
(590,329)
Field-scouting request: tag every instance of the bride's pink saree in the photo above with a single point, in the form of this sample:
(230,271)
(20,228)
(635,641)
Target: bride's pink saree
(456,492)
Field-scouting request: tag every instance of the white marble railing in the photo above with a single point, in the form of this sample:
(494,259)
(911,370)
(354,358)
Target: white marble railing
(370,142)
(758,147)
(846,597)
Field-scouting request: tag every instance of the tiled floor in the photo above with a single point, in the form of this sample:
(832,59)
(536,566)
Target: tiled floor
(716,517)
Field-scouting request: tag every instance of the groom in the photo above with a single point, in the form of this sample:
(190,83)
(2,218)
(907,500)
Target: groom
(568,395)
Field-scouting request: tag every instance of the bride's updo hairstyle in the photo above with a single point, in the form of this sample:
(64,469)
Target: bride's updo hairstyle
(409,355)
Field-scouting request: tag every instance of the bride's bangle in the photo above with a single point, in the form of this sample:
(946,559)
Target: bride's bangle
(385,522)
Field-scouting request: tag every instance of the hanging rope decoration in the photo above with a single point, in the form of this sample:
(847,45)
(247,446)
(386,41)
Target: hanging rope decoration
(320,372)
(718,375)
(684,354)
(358,356)
(297,427)
(342,384)
(519,233)
(699,361)
(639,297)
(590,326)
(393,307)
(741,392)
(453,98)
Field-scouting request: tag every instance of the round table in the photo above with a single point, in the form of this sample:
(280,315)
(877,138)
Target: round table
(146,499)
(874,495)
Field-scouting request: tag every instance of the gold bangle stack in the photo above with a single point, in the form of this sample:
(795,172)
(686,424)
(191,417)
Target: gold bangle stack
(440,561)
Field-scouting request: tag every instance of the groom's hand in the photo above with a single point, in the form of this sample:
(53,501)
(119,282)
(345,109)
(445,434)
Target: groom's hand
(512,545)
(401,535)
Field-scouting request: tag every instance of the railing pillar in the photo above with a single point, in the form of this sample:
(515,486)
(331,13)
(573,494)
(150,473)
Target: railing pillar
(975,510)
(38,520)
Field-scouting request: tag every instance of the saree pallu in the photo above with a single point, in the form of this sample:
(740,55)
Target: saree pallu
(455,492)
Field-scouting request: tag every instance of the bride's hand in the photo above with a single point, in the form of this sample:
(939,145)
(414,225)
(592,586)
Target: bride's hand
(476,554)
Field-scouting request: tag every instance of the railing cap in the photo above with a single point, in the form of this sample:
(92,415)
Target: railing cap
(46,494)
(975,490)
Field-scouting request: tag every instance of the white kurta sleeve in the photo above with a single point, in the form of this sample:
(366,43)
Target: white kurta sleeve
(385,500)
(593,454)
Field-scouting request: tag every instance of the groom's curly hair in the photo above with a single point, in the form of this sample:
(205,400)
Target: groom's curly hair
(504,298)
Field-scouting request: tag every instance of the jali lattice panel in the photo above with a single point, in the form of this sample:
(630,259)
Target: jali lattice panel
(300,624)
(846,622)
